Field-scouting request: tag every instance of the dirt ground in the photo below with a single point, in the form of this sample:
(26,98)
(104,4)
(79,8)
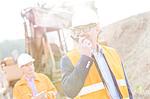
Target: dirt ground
(131,38)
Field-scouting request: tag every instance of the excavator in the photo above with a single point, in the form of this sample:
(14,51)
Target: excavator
(45,40)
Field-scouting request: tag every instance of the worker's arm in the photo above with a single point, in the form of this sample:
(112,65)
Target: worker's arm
(51,90)
(51,94)
(73,77)
(16,94)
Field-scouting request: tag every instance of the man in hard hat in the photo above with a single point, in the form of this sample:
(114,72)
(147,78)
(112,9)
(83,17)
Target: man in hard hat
(93,71)
(32,85)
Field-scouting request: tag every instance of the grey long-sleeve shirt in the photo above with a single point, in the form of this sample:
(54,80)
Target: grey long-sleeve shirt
(73,77)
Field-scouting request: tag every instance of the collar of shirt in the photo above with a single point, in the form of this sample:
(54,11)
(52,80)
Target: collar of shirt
(24,81)
(32,85)
(98,49)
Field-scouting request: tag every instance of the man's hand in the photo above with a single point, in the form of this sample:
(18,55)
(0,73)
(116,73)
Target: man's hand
(41,95)
(85,46)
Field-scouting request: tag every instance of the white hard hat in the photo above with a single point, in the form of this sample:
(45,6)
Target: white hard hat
(23,59)
(84,16)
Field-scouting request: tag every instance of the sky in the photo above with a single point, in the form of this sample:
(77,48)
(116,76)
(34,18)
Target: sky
(110,11)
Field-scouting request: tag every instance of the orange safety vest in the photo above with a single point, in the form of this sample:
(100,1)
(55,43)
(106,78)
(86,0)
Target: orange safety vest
(93,86)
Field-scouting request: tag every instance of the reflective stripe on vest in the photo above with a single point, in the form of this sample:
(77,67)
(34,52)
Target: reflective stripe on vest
(121,82)
(98,86)
(91,88)
(126,98)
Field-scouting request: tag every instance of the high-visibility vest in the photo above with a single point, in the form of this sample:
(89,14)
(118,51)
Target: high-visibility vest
(93,86)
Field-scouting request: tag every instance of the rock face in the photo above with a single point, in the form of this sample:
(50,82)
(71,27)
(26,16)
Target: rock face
(131,38)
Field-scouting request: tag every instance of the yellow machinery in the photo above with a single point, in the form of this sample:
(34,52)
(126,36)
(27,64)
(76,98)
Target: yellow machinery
(44,40)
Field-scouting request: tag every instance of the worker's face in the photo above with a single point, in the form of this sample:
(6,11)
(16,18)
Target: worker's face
(90,31)
(28,69)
